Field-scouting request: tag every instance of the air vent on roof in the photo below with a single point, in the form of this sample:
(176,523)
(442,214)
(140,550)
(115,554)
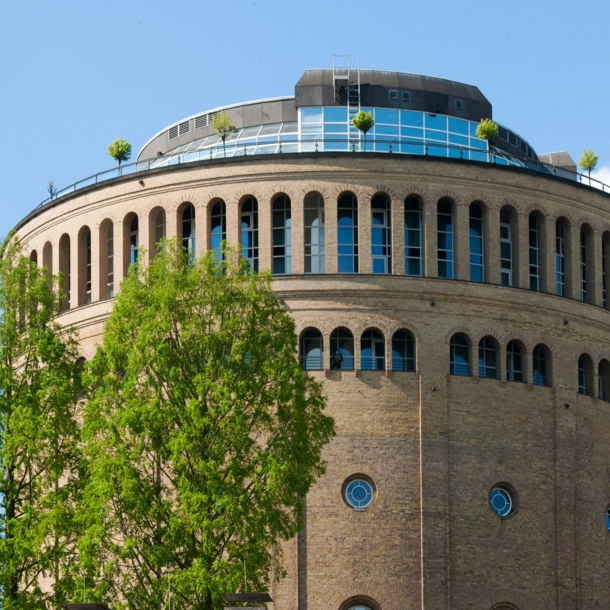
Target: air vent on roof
(512,138)
(204,120)
(523,146)
(459,104)
(173,132)
(393,94)
(406,96)
(503,133)
(184,127)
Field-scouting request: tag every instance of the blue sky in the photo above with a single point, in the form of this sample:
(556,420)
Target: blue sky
(77,74)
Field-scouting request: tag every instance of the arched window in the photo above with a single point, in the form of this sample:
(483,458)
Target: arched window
(560,264)
(604,380)
(487,358)
(34,257)
(134,241)
(160,228)
(403,351)
(445,238)
(540,374)
(476,243)
(459,359)
(64,268)
(218,227)
(514,364)
(583,267)
(506,247)
(312,352)
(347,233)
(47,256)
(84,266)
(414,237)
(342,340)
(88,271)
(372,351)
(315,253)
(282,236)
(381,238)
(534,252)
(110,268)
(585,375)
(188,230)
(249,231)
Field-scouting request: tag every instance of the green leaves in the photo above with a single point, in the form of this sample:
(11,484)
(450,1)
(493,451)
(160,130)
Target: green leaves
(487,129)
(363,121)
(588,160)
(120,150)
(202,435)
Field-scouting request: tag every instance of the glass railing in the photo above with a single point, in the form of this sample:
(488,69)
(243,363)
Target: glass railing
(382,146)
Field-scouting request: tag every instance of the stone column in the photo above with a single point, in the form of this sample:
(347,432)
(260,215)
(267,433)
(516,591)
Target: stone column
(233,222)
(331,236)
(297,214)
(398,237)
(491,245)
(365,260)
(548,251)
(521,250)
(265,234)
(594,269)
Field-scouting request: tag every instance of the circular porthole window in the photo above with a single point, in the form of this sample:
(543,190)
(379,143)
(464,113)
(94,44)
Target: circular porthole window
(608,517)
(358,492)
(502,501)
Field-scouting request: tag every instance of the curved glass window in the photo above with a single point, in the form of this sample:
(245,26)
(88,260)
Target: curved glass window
(534,252)
(381,234)
(445,239)
(314,234)
(372,351)
(487,358)
(312,352)
(219,227)
(249,231)
(403,351)
(501,502)
(506,248)
(347,233)
(539,368)
(282,236)
(342,349)
(514,369)
(476,243)
(359,494)
(459,360)
(414,237)
(188,229)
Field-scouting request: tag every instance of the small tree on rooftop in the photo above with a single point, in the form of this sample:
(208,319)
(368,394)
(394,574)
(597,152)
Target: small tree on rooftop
(120,150)
(588,161)
(222,124)
(363,121)
(487,130)
(52,189)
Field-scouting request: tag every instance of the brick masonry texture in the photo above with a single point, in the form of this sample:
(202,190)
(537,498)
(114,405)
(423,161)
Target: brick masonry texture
(433,444)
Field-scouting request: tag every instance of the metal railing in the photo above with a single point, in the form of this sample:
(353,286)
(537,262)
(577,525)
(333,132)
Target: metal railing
(312,363)
(403,364)
(381,146)
(372,363)
(457,368)
(346,365)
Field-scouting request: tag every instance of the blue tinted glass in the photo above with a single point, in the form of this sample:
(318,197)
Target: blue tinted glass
(335,128)
(311,115)
(436,135)
(337,145)
(473,129)
(411,132)
(458,126)
(475,156)
(437,121)
(346,264)
(500,502)
(500,161)
(385,115)
(378,267)
(335,115)
(412,149)
(461,140)
(413,119)
(345,235)
(478,144)
(386,129)
(608,518)
(311,129)
(437,151)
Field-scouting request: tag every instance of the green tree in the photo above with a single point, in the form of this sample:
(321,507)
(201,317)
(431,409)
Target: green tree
(39,436)
(203,434)
(588,161)
(120,150)
(222,124)
(364,122)
(51,189)
(487,130)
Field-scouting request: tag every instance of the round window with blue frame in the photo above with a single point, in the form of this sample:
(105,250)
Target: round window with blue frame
(358,493)
(608,517)
(501,501)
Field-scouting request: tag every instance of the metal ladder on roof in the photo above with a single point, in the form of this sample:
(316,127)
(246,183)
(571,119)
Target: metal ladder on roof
(344,77)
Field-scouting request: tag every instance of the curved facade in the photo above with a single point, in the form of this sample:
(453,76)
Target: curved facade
(456,313)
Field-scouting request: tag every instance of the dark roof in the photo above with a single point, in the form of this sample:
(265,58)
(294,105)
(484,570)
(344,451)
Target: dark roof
(399,80)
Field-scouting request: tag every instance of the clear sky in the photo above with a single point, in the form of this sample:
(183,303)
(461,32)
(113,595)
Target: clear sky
(75,74)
